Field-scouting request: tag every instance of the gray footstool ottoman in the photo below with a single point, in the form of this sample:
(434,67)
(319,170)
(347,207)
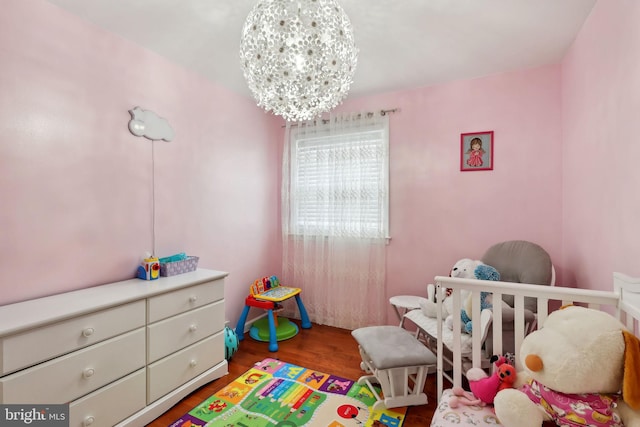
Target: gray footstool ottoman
(397,361)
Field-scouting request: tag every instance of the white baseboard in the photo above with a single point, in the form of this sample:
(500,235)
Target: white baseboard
(249,322)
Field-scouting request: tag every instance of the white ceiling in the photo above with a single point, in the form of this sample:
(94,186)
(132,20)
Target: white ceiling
(403,43)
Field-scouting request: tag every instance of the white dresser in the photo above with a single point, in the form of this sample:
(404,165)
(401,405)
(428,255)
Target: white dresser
(119,354)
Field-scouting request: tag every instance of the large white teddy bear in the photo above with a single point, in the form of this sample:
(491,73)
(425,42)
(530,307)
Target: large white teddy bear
(463,269)
(574,370)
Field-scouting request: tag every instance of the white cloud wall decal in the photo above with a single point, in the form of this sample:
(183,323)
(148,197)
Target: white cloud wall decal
(148,124)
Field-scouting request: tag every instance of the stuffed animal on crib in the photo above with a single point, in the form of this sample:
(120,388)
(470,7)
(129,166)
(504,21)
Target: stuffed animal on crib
(463,269)
(481,272)
(485,387)
(466,312)
(581,368)
(463,397)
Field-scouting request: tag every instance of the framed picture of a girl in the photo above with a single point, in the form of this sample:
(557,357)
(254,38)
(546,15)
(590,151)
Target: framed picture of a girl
(476,151)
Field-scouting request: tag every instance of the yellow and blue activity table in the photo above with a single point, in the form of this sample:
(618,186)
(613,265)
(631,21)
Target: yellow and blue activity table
(267,293)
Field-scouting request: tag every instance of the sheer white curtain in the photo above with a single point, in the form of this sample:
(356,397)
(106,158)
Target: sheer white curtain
(335,187)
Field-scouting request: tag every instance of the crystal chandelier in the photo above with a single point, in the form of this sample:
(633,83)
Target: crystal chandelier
(298,56)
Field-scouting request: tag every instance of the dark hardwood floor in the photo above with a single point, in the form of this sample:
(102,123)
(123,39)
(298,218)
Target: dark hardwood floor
(323,348)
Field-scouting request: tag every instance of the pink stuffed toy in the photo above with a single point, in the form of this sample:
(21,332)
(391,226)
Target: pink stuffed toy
(486,387)
(463,397)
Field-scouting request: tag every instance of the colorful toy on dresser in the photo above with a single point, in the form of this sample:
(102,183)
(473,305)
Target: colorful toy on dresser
(152,267)
(149,269)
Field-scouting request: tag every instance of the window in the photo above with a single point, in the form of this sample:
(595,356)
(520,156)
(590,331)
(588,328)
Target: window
(339,178)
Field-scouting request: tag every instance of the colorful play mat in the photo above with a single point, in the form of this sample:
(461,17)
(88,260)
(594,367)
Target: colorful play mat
(276,393)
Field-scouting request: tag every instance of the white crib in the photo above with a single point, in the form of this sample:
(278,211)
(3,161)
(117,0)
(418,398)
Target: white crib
(623,302)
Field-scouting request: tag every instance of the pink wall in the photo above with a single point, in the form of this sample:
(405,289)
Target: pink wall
(439,214)
(76,185)
(601,103)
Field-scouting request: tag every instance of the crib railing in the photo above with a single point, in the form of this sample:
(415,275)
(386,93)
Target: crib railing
(623,302)
(629,290)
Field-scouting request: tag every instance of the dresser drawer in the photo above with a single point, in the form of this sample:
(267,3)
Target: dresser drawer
(176,302)
(175,370)
(68,377)
(170,335)
(34,346)
(111,403)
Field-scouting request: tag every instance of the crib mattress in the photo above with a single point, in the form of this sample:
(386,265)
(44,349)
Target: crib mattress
(430,326)
(445,416)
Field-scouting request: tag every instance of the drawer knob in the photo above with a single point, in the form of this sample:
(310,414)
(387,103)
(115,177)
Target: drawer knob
(193,328)
(88,421)
(87,332)
(88,372)
(193,299)
(193,363)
